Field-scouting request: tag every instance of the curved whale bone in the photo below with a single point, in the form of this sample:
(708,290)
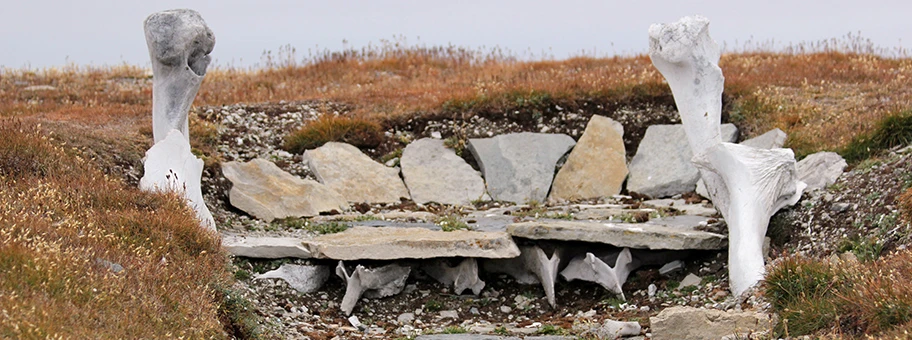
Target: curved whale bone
(170,166)
(530,267)
(378,282)
(179,45)
(753,184)
(461,277)
(758,181)
(596,269)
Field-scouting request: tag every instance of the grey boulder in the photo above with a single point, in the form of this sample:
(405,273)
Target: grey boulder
(434,173)
(662,166)
(263,190)
(519,167)
(351,173)
(684,323)
(820,169)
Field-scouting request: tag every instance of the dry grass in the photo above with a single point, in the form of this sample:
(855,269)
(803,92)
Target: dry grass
(63,226)
(360,132)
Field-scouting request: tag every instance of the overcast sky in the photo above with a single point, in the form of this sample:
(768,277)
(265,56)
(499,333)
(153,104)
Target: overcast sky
(41,33)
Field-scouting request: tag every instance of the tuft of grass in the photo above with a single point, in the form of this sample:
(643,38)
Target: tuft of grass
(452,223)
(433,306)
(360,132)
(454,330)
(501,330)
(551,330)
(803,291)
(320,228)
(894,130)
(865,248)
(905,205)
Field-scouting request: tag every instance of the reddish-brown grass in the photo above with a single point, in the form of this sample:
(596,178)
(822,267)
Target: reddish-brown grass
(63,224)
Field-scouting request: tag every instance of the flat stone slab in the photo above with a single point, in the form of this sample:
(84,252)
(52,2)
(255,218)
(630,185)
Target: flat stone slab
(262,189)
(519,167)
(674,233)
(388,243)
(682,323)
(264,247)
(354,175)
(434,173)
(597,166)
(820,169)
(662,166)
(696,209)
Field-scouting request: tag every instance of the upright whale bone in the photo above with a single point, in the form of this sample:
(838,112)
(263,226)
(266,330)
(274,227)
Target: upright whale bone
(530,267)
(461,277)
(379,282)
(688,59)
(170,166)
(179,45)
(594,269)
(757,183)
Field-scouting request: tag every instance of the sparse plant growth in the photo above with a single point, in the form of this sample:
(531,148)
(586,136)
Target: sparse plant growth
(452,222)
(454,330)
(552,330)
(320,228)
(894,130)
(433,306)
(357,131)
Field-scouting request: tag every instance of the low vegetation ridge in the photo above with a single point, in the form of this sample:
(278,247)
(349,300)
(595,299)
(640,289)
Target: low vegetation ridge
(85,254)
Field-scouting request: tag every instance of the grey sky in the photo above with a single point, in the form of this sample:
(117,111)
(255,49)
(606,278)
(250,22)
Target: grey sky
(41,33)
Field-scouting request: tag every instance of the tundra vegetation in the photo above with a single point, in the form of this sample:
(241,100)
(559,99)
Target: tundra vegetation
(84,253)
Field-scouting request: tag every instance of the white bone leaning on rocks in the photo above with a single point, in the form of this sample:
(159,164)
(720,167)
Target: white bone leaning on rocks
(746,184)
(179,45)
(594,269)
(379,282)
(461,277)
(530,267)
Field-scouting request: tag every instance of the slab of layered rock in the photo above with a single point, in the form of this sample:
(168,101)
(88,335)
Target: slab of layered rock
(683,323)
(678,232)
(264,247)
(434,173)
(820,169)
(262,189)
(597,166)
(662,166)
(388,243)
(354,175)
(519,167)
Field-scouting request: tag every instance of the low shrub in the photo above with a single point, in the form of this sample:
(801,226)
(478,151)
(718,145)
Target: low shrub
(360,132)
(894,130)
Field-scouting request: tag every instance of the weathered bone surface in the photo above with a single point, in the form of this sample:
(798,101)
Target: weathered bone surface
(594,269)
(756,184)
(303,278)
(746,184)
(461,277)
(532,266)
(179,45)
(170,166)
(379,282)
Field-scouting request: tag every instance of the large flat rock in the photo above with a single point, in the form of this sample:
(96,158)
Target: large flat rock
(265,247)
(820,169)
(674,233)
(597,166)
(354,175)
(388,243)
(262,189)
(519,167)
(662,167)
(684,323)
(434,173)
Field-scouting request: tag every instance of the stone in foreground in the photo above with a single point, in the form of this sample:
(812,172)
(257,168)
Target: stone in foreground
(684,323)
(519,167)
(597,166)
(389,243)
(461,277)
(179,45)
(820,169)
(674,233)
(265,247)
(379,282)
(434,173)
(662,166)
(169,166)
(262,189)
(303,278)
(351,173)
(772,139)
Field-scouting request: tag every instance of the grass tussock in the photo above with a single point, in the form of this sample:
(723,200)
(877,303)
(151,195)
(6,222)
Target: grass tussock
(360,132)
(894,130)
(85,256)
(817,296)
(905,205)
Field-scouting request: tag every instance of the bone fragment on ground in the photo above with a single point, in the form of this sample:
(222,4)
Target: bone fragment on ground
(461,277)
(532,266)
(179,45)
(594,269)
(759,182)
(746,184)
(170,166)
(379,282)
(303,278)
